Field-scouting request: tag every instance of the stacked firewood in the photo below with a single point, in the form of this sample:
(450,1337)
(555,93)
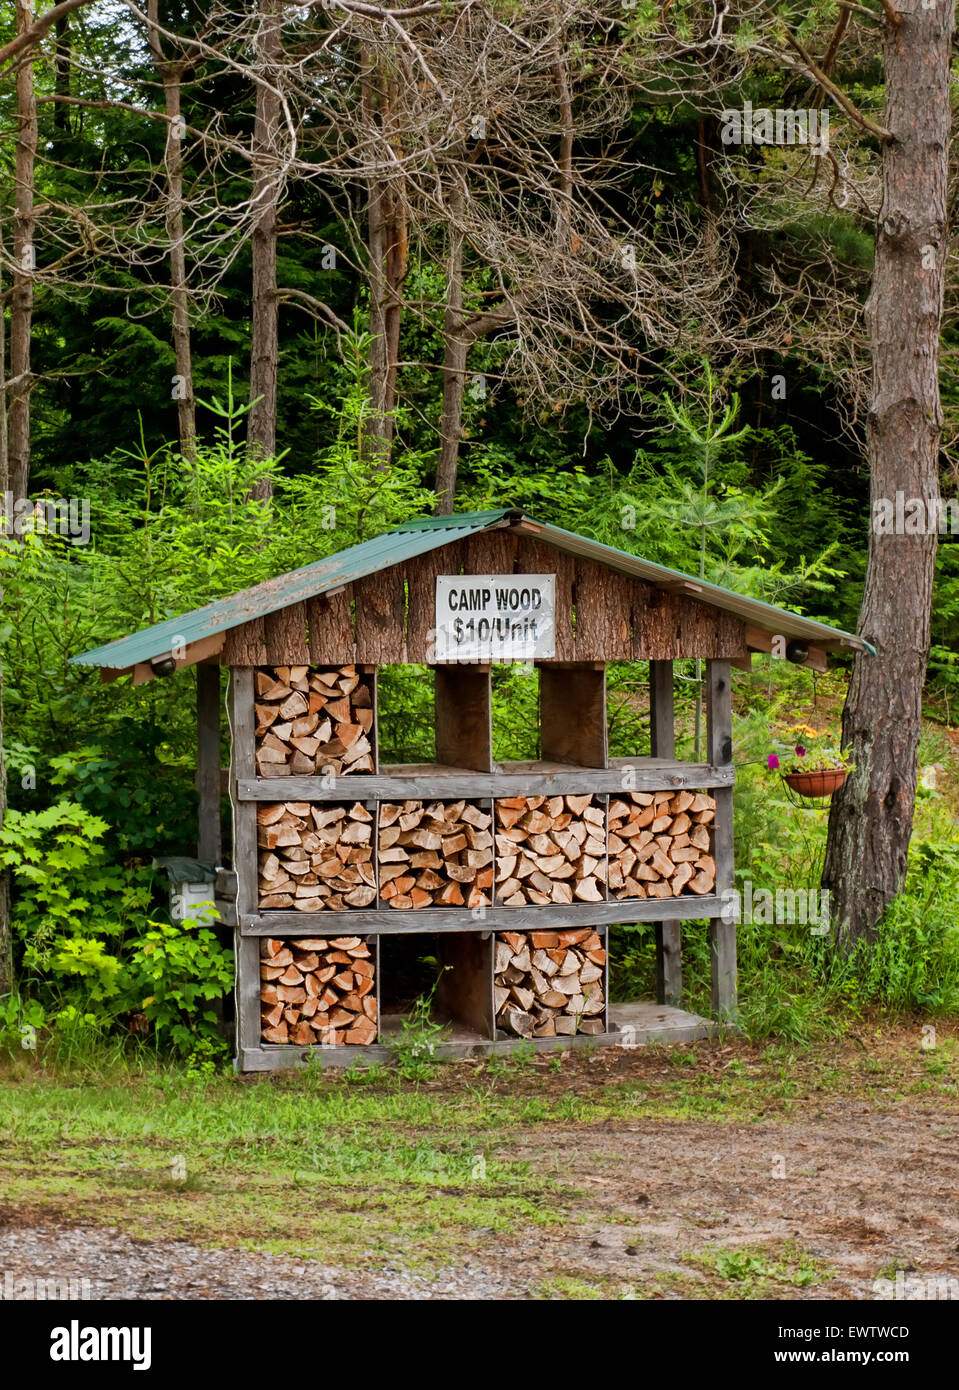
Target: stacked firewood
(550,850)
(439,854)
(315,990)
(314,857)
(659,844)
(550,983)
(309,719)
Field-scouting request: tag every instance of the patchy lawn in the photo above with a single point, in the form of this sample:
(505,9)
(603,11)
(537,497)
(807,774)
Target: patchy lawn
(718,1170)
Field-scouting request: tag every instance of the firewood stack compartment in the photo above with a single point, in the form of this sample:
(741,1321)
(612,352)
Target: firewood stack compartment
(550,849)
(660,844)
(319,991)
(550,984)
(315,857)
(435,853)
(314,719)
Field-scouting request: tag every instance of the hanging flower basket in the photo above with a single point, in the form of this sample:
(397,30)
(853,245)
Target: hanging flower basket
(816,786)
(811,774)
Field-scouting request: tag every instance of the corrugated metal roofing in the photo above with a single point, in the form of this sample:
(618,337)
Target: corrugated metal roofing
(409,540)
(417,537)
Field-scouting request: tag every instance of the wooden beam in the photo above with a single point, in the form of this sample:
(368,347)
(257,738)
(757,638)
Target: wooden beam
(244,858)
(623,774)
(209,845)
(679,586)
(669,967)
(193,654)
(761,641)
(719,745)
(497,918)
(662,738)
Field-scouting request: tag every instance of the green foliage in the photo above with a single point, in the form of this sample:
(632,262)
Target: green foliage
(66,887)
(914,962)
(793,983)
(515,713)
(406,730)
(627,704)
(20,1019)
(86,947)
(413,1049)
(691,500)
(365,496)
(181,972)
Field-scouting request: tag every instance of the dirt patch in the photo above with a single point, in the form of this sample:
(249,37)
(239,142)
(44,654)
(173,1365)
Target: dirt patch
(840,1198)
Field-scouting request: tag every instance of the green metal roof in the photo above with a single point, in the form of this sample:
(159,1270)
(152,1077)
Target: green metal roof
(417,537)
(409,540)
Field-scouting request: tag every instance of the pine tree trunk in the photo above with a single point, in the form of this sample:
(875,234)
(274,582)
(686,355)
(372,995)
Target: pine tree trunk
(264,326)
(6,944)
(387,238)
(171,74)
(870,820)
(455,349)
(6,935)
(379,432)
(24,257)
(179,289)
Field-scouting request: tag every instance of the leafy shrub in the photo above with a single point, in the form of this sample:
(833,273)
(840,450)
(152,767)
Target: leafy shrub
(914,962)
(180,972)
(66,887)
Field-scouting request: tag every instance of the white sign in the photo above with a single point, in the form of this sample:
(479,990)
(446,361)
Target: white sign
(495,617)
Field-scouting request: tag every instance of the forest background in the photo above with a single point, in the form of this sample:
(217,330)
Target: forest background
(275,279)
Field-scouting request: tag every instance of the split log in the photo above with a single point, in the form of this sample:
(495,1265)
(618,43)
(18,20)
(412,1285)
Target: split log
(310,719)
(334,1001)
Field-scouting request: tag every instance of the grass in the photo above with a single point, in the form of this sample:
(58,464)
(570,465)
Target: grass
(755,1272)
(106,1153)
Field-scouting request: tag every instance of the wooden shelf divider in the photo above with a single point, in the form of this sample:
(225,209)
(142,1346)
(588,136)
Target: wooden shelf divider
(464,717)
(572,714)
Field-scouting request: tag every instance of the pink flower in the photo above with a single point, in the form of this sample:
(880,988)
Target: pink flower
(773,761)
(800,750)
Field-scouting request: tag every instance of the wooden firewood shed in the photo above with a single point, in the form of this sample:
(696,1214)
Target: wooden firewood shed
(515,870)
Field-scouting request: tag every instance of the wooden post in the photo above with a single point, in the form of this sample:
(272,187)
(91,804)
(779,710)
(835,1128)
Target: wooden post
(463,717)
(719,743)
(209,843)
(662,738)
(572,714)
(244,861)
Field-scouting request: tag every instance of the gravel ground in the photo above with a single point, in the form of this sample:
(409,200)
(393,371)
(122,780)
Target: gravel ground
(118,1267)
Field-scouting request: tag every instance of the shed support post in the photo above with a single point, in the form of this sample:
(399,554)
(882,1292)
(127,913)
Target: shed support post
(669,966)
(244,861)
(209,844)
(722,933)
